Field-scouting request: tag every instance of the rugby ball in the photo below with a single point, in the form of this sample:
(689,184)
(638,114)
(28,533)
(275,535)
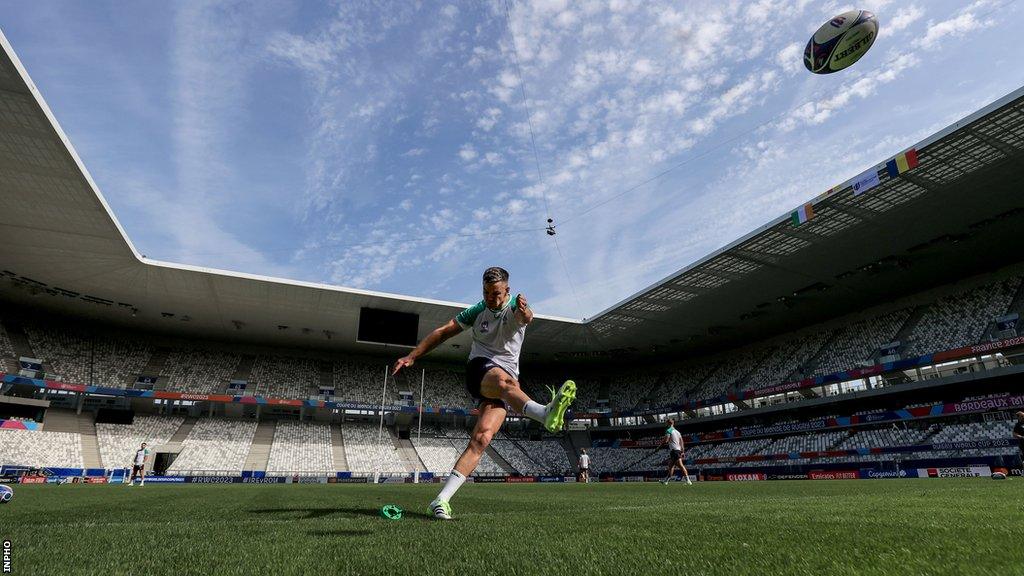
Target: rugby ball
(6,494)
(998,476)
(841,41)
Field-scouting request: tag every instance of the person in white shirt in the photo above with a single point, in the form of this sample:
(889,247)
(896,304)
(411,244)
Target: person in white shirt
(584,465)
(139,465)
(675,459)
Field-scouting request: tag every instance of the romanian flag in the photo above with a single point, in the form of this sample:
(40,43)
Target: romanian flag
(801,215)
(902,163)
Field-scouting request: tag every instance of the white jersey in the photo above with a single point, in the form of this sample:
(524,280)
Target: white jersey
(497,334)
(675,439)
(585,461)
(140,456)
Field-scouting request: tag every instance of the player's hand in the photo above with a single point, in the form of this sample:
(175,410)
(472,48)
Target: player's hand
(405,362)
(521,304)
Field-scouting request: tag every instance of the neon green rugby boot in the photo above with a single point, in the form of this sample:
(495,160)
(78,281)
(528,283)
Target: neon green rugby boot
(560,402)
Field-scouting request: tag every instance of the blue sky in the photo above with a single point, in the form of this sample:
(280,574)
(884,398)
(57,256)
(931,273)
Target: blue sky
(386,146)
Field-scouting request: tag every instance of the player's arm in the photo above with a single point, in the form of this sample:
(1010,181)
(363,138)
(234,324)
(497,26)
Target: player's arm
(433,340)
(523,312)
(1018,436)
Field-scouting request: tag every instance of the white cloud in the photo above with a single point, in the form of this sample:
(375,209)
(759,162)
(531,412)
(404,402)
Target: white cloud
(467,152)
(957,26)
(904,17)
(488,119)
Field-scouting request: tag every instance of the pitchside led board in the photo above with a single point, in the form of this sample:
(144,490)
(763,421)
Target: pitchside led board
(388,327)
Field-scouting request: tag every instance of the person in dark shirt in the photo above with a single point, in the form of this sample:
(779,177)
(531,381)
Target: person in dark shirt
(1018,433)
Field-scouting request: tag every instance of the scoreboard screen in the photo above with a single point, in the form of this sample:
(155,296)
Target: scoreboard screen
(388,327)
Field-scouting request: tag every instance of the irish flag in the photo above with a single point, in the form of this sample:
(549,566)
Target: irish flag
(802,214)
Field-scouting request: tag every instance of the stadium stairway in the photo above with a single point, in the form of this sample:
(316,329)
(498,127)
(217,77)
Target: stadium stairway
(505,466)
(183,431)
(155,365)
(19,341)
(338,448)
(529,456)
(259,450)
(56,420)
(91,457)
(407,453)
(244,368)
(571,443)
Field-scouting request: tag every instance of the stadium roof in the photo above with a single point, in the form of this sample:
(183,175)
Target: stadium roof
(959,213)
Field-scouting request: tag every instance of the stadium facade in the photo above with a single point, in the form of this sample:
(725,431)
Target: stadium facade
(872,332)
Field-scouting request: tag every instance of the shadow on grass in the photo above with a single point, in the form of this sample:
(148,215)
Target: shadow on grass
(339,532)
(314,513)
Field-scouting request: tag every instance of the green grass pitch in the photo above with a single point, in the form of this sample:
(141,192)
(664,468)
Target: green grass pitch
(821,528)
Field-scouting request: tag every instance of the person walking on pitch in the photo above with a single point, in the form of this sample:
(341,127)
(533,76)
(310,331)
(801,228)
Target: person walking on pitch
(499,324)
(139,465)
(675,458)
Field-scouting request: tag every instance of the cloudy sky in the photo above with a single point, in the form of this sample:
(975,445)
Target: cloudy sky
(387,146)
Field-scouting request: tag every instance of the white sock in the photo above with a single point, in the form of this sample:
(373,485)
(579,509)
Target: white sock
(451,485)
(535,411)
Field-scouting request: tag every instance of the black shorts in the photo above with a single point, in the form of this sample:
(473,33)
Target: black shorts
(137,469)
(584,470)
(475,371)
(674,455)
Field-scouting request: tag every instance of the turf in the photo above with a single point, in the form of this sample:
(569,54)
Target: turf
(956,526)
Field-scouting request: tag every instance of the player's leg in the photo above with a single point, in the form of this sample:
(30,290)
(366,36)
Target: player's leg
(492,415)
(142,475)
(499,385)
(671,471)
(686,473)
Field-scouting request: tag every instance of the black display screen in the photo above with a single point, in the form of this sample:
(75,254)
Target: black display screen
(388,327)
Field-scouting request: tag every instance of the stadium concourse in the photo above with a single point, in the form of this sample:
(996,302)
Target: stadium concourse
(874,332)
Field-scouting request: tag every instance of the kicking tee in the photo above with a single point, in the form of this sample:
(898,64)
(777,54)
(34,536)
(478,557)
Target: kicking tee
(140,456)
(675,439)
(497,334)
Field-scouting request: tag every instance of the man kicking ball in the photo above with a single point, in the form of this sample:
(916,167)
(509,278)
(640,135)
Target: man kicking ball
(675,447)
(499,324)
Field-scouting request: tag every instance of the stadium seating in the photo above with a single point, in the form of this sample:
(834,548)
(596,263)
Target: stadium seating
(604,459)
(517,458)
(731,369)
(960,319)
(118,442)
(814,442)
(857,343)
(215,446)
(283,377)
(301,447)
(731,449)
(84,357)
(366,454)
(548,453)
(443,387)
(34,448)
(681,383)
(789,356)
(439,456)
(6,350)
(361,382)
(199,371)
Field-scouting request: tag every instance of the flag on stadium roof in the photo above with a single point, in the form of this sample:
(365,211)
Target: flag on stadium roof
(865,182)
(901,163)
(802,214)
